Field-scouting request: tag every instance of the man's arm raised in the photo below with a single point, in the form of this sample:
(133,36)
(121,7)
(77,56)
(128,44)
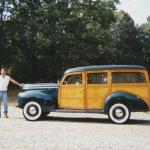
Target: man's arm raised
(15,82)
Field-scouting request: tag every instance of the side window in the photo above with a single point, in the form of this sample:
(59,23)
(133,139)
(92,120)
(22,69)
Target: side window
(73,79)
(128,77)
(97,78)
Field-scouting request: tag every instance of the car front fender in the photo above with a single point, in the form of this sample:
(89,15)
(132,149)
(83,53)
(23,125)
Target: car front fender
(41,97)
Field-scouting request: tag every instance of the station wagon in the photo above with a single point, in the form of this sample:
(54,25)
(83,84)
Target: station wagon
(114,90)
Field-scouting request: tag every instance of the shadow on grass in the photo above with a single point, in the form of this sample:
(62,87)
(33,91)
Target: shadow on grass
(94,120)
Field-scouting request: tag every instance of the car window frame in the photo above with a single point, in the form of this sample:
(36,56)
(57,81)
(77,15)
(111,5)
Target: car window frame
(129,71)
(98,71)
(66,75)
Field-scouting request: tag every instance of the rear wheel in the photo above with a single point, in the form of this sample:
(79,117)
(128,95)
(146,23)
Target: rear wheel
(32,111)
(119,113)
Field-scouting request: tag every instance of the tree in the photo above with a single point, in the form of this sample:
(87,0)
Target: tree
(5,39)
(51,36)
(127,46)
(144,37)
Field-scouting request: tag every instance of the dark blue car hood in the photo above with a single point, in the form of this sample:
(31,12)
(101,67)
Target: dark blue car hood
(40,86)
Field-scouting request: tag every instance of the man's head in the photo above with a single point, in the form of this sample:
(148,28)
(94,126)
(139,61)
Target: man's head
(3,71)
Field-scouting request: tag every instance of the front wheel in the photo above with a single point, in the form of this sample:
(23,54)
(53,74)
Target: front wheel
(119,113)
(32,111)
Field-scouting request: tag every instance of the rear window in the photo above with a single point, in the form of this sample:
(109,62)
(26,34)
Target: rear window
(128,77)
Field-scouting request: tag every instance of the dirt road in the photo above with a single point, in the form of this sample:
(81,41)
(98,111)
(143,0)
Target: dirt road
(60,131)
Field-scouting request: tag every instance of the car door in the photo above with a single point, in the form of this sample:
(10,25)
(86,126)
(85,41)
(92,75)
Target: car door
(72,92)
(97,89)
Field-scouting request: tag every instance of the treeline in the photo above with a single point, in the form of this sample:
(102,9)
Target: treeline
(40,39)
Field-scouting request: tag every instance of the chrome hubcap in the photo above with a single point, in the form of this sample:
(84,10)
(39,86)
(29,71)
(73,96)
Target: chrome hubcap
(32,110)
(118,112)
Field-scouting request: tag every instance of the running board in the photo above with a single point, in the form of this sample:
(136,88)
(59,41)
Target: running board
(78,111)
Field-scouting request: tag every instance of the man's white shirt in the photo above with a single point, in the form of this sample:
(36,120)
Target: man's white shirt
(4,81)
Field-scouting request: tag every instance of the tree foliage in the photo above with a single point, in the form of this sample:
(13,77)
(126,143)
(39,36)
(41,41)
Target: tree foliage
(42,38)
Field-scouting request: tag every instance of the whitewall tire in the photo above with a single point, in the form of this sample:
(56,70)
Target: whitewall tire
(119,113)
(32,111)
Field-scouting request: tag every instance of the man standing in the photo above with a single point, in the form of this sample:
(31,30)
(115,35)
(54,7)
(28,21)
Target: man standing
(4,81)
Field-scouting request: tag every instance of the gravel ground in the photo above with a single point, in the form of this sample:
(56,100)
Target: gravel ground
(68,131)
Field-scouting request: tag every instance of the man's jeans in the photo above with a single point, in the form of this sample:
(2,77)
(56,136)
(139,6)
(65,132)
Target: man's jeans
(3,97)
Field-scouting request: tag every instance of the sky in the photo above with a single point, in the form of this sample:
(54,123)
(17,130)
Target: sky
(139,10)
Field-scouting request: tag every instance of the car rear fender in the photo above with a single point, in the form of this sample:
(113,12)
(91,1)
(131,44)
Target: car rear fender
(134,103)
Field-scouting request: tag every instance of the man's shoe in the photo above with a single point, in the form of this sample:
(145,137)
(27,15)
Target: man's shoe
(5,115)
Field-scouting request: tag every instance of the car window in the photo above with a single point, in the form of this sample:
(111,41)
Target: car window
(73,79)
(128,77)
(97,78)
